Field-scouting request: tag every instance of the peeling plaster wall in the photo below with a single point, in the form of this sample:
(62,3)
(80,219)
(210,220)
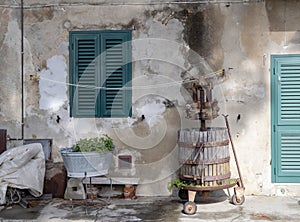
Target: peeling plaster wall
(52,87)
(10,90)
(169,43)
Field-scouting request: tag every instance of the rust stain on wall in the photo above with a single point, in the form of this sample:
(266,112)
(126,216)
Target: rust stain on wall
(203,33)
(283,15)
(253,28)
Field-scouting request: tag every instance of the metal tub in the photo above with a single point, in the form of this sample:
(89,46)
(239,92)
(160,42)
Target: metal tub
(85,164)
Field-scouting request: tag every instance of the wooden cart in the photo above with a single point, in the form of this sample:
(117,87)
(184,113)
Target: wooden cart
(189,192)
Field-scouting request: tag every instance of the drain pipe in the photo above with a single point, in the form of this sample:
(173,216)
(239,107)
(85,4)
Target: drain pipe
(22,69)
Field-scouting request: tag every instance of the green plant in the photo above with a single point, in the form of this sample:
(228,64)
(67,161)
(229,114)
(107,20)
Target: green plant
(180,184)
(103,144)
(232,181)
(177,182)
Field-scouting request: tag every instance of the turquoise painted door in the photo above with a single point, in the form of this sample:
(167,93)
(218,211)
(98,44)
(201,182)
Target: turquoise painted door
(285,109)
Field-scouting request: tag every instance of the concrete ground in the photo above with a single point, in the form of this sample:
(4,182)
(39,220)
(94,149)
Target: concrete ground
(255,208)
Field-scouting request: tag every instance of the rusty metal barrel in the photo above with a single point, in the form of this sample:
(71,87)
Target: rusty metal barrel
(204,156)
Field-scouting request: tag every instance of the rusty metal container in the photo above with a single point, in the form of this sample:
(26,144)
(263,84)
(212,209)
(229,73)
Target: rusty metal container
(204,156)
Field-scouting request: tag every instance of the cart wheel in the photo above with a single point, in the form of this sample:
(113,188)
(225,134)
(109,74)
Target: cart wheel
(189,208)
(237,202)
(183,194)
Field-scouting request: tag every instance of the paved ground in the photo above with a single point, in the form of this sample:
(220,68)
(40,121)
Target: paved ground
(255,208)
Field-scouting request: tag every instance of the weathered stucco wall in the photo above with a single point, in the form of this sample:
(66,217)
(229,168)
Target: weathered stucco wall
(169,43)
(10,90)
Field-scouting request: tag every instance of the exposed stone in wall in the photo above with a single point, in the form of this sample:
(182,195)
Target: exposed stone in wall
(43,29)
(3,23)
(31,78)
(36,15)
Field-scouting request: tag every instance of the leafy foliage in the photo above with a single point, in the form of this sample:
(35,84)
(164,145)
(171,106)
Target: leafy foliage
(180,184)
(101,145)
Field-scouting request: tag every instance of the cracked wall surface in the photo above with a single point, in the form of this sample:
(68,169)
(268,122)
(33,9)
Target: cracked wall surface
(170,42)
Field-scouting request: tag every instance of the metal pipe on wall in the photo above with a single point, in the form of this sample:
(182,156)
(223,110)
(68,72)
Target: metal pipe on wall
(22,69)
(133,3)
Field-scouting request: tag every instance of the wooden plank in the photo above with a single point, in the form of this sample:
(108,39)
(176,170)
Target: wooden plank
(214,173)
(191,195)
(114,180)
(206,174)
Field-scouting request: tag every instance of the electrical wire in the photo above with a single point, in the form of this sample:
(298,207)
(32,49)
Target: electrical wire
(128,3)
(162,85)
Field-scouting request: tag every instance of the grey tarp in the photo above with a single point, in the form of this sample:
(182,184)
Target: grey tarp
(22,167)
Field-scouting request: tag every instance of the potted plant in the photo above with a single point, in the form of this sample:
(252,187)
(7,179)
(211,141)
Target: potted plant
(88,157)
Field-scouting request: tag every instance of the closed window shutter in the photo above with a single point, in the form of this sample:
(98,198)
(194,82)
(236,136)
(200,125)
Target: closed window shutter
(84,92)
(100,73)
(116,98)
(289,153)
(286,118)
(289,117)
(289,93)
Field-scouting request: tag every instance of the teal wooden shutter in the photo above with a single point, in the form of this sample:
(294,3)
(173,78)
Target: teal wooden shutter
(84,74)
(285,118)
(100,73)
(116,74)
(289,156)
(289,92)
